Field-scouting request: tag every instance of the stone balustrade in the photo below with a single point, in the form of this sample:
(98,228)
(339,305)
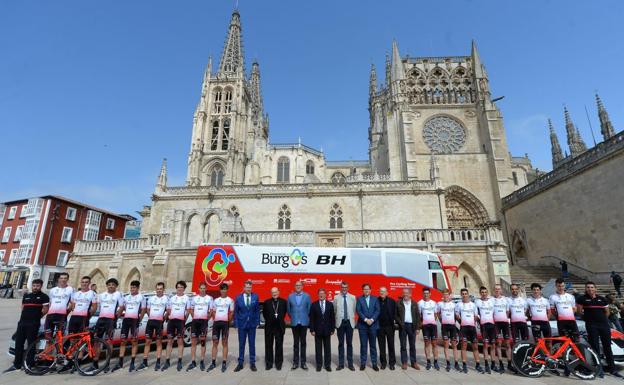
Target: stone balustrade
(153,241)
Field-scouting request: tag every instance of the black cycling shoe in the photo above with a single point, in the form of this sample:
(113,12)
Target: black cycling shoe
(191,366)
(142,366)
(157,366)
(487,369)
(202,366)
(478,368)
(212,366)
(166,366)
(131,368)
(465,368)
(223,367)
(448,366)
(179,367)
(116,368)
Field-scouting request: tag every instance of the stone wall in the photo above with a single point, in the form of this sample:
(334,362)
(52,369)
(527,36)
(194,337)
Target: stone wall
(575,213)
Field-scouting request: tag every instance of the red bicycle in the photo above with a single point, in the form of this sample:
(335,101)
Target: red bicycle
(532,360)
(89,354)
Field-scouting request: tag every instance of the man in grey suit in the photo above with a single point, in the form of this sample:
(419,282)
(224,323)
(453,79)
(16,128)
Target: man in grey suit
(298,307)
(344,307)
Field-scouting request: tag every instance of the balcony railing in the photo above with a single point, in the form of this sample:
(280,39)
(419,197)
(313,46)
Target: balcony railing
(153,241)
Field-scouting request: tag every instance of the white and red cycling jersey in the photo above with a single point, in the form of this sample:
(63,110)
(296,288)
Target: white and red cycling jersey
(201,306)
(446,311)
(564,305)
(178,304)
(467,312)
(538,308)
(222,307)
(156,307)
(486,310)
(82,301)
(109,302)
(133,305)
(501,309)
(428,311)
(59,299)
(518,307)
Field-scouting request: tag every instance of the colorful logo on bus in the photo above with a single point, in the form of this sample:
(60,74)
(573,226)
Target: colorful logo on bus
(297,256)
(215,266)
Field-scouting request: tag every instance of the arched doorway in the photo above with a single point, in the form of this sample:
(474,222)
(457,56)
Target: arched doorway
(463,209)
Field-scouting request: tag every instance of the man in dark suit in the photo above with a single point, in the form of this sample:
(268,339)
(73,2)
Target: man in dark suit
(247,319)
(385,335)
(367,309)
(408,318)
(322,326)
(274,311)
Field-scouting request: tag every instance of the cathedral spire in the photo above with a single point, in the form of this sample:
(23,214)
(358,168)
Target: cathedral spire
(388,71)
(232,60)
(398,72)
(575,142)
(372,87)
(256,91)
(606,128)
(476,61)
(161,184)
(557,155)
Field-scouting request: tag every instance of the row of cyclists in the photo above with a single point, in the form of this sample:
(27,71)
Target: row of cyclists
(502,321)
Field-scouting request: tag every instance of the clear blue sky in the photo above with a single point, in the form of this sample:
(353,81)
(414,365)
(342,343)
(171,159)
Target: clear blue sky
(94,94)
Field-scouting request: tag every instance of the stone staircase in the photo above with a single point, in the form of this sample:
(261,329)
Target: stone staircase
(526,275)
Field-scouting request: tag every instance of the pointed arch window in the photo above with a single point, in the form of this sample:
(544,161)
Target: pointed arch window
(218,97)
(283,170)
(283,218)
(225,138)
(309,167)
(216,176)
(335,217)
(214,139)
(227,104)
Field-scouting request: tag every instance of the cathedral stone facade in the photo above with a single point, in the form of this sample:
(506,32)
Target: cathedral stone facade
(438,167)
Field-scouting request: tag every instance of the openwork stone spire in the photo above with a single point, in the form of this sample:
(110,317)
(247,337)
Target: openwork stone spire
(575,142)
(232,61)
(372,87)
(557,154)
(398,72)
(162,177)
(606,128)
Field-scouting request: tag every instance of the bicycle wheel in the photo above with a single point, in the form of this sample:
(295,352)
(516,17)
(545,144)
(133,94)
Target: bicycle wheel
(587,369)
(521,360)
(40,356)
(91,360)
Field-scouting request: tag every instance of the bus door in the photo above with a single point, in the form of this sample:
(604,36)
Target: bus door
(437,279)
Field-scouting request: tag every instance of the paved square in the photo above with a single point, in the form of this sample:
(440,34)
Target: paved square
(9,313)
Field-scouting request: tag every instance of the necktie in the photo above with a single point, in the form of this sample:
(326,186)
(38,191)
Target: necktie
(344,307)
(323,307)
(367,303)
(247,300)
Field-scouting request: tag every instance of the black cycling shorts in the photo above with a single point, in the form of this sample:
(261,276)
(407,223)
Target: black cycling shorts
(568,328)
(430,332)
(154,329)
(502,330)
(175,328)
(220,329)
(77,324)
(488,333)
(105,327)
(541,329)
(129,329)
(55,322)
(449,332)
(519,331)
(468,333)
(199,328)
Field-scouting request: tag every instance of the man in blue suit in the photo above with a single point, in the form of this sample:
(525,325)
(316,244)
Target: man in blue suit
(368,310)
(247,319)
(298,307)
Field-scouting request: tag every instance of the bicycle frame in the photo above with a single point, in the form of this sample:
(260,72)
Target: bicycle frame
(61,339)
(567,343)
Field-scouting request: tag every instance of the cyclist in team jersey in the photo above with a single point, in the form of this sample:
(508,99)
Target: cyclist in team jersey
(429,322)
(466,314)
(446,314)
(111,306)
(83,305)
(177,312)
(222,312)
(200,310)
(563,306)
(134,309)
(518,308)
(60,297)
(485,306)
(501,321)
(539,311)
(156,308)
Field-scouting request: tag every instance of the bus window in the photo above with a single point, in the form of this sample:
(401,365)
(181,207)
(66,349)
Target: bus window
(437,280)
(434,265)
